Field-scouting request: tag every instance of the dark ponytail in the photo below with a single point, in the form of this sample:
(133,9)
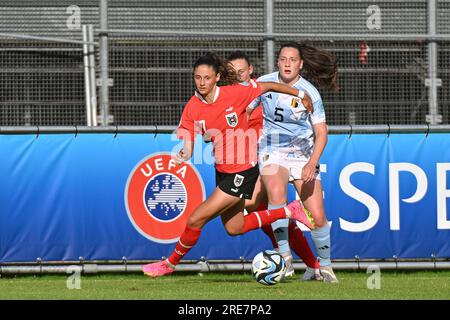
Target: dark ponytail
(227,74)
(319,65)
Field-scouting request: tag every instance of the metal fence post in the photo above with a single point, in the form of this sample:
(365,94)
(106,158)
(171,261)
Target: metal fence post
(104,72)
(87,86)
(433,117)
(92,76)
(269,43)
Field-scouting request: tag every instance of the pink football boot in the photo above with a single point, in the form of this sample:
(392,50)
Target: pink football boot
(157,269)
(299,213)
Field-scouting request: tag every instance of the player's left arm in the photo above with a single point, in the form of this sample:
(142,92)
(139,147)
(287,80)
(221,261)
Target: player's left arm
(321,139)
(319,125)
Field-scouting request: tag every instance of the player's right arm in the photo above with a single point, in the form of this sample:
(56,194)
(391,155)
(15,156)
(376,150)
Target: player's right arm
(255,103)
(185,153)
(186,132)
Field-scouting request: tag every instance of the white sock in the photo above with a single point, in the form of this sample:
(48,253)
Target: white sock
(281,230)
(321,239)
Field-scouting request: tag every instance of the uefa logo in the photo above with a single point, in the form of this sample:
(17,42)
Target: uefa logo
(160,196)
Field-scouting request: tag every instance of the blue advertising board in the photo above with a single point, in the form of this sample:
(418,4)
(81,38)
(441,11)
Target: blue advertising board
(104,197)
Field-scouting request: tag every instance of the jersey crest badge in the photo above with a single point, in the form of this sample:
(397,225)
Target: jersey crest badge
(232,119)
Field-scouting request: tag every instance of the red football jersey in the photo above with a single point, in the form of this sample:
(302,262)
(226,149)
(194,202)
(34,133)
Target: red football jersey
(256,120)
(225,121)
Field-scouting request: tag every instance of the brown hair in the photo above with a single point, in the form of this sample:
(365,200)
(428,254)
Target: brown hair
(319,65)
(227,74)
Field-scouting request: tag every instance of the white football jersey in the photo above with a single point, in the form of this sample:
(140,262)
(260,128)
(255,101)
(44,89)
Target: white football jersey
(287,126)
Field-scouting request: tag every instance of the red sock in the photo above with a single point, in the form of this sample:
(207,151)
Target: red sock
(300,245)
(268,229)
(262,218)
(262,206)
(187,240)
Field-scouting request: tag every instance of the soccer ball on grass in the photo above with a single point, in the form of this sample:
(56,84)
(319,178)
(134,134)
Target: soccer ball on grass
(268,267)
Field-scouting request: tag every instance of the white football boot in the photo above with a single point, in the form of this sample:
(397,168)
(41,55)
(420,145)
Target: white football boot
(287,256)
(328,274)
(312,274)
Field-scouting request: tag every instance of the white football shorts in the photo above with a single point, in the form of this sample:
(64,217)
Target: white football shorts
(287,160)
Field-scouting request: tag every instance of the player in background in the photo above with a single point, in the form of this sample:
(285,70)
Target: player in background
(292,236)
(221,113)
(293,141)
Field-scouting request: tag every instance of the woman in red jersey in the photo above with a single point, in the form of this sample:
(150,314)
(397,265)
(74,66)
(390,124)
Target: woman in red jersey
(221,113)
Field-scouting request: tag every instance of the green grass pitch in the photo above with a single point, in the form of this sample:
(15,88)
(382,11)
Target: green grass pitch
(223,286)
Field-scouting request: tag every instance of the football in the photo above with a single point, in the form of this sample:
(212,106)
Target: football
(268,267)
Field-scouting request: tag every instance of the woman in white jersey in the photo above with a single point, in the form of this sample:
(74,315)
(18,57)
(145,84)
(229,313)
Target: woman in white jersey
(293,141)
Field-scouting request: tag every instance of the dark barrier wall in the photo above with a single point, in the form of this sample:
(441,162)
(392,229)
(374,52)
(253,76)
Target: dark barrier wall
(103,197)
